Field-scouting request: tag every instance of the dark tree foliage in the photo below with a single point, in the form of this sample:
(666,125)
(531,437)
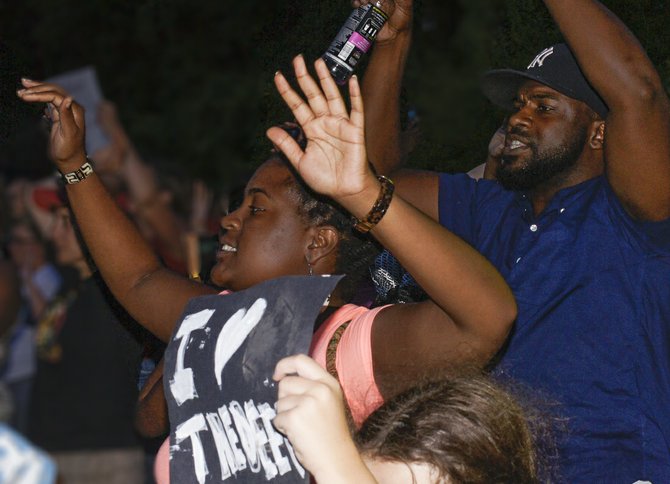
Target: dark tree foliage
(193,81)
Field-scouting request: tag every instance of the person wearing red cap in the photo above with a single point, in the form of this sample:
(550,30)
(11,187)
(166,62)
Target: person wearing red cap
(578,224)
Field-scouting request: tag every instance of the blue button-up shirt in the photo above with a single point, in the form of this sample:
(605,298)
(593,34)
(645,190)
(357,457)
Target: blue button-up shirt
(593,331)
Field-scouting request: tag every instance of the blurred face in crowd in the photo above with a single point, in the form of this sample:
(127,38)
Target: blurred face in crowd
(545,137)
(24,247)
(265,237)
(67,248)
(15,196)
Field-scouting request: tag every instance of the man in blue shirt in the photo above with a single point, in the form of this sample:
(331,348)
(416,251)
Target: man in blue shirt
(578,224)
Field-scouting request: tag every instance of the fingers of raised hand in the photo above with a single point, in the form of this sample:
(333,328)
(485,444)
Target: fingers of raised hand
(55,97)
(29,82)
(309,87)
(286,144)
(335,102)
(42,95)
(33,88)
(69,124)
(77,112)
(357,117)
(301,110)
(51,113)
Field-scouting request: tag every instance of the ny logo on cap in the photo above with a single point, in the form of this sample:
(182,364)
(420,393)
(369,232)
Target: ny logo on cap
(540,58)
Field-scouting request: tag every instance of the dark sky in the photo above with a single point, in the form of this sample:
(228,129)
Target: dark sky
(193,81)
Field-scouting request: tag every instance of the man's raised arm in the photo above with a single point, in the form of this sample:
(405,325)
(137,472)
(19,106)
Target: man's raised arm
(381,92)
(637,142)
(381,87)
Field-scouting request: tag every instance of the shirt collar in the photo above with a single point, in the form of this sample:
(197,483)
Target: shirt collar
(562,199)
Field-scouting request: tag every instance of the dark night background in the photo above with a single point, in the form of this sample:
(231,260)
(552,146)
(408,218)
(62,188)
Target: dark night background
(193,80)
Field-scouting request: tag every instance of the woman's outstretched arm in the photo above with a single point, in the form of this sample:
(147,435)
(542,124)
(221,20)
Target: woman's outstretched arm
(153,295)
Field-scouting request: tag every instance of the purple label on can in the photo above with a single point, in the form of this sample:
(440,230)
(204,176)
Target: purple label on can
(360,42)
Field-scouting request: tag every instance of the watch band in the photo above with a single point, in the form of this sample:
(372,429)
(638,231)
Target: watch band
(82,173)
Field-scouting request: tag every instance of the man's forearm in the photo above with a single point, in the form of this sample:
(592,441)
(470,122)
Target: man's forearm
(615,64)
(637,151)
(381,95)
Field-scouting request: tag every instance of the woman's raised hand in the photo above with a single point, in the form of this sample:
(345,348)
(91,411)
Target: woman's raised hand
(334,162)
(66,146)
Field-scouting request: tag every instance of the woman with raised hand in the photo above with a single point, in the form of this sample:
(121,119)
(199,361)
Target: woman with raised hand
(286,226)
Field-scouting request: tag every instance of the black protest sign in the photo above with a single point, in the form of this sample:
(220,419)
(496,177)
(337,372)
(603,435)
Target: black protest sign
(218,380)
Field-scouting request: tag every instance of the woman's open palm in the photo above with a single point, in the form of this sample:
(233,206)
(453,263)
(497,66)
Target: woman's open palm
(334,161)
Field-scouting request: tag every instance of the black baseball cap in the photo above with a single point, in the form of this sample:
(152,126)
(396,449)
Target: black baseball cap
(555,67)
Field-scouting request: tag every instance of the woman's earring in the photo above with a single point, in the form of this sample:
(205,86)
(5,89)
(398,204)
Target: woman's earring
(310,271)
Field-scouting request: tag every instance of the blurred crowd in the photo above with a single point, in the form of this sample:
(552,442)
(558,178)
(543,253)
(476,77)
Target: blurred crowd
(540,276)
(72,361)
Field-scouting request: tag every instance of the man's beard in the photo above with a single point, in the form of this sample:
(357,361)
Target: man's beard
(541,168)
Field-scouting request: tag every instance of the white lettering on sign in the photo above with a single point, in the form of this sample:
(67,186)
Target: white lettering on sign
(223,449)
(275,439)
(246,436)
(182,385)
(237,436)
(191,429)
(233,334)
(251,428)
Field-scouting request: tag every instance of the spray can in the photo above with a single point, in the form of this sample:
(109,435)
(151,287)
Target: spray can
(354,39)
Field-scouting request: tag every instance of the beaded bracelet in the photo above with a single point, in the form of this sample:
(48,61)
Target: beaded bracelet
(380,207)
(82,173)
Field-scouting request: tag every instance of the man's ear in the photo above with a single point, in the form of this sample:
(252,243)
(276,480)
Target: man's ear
(322,248)
(597,135)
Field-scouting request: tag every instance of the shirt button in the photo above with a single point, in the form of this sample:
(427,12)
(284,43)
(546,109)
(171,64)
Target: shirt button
(517,261)
(533,228)
(562,210)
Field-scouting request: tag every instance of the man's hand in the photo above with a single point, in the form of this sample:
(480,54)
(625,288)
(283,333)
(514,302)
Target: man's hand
(400,17)
(496,147)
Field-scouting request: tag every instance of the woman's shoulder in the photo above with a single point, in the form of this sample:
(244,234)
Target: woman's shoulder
(351,318)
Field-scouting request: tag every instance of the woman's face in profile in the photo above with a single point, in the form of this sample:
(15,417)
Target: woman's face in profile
(265,237)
